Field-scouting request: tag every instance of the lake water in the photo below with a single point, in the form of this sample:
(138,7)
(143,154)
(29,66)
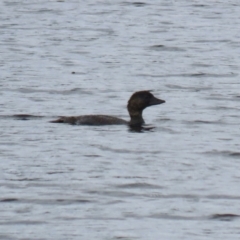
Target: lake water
(178,181)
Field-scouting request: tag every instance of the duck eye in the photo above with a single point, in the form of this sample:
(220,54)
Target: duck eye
(147,97)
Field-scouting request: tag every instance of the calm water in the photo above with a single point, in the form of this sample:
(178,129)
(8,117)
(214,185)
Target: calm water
(178,181)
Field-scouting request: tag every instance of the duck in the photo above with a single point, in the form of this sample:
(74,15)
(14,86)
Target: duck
(136,104)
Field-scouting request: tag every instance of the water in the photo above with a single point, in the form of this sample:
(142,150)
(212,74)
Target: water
(178,181)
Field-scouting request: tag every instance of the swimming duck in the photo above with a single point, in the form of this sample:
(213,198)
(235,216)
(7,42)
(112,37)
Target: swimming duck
(136,104)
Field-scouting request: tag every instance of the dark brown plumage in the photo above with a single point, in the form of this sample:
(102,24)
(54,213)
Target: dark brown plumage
(136,104)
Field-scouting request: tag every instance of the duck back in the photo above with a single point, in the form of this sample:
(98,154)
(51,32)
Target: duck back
(91,120)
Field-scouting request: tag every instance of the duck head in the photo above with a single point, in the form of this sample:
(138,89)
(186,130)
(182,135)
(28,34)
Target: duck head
(138,102)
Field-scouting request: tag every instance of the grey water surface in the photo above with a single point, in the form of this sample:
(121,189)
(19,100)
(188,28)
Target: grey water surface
(179,180)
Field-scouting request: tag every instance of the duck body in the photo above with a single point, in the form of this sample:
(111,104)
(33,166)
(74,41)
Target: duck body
(136,104)
(91,120)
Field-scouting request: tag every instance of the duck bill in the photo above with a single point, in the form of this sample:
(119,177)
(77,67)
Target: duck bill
(155,101)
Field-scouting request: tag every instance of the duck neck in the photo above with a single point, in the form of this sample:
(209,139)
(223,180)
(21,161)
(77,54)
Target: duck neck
(136,118)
